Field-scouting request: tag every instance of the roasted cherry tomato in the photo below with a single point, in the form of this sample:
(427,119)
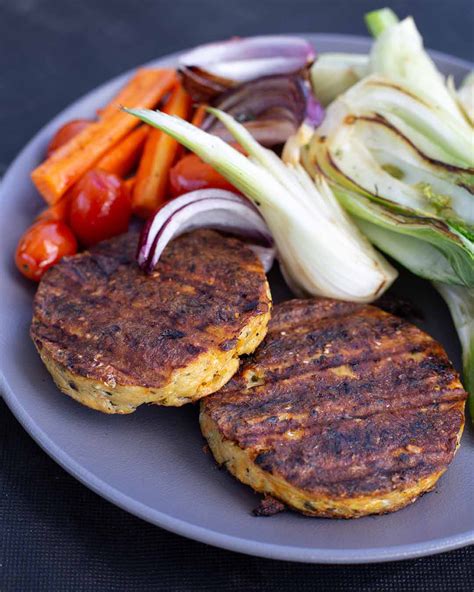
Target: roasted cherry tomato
(100,207)
(43,245)
(192,173)
(66,132)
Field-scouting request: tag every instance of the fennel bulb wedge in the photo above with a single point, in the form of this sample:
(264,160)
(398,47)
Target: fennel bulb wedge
(460,302)
(382,143)
(334,73)
(321,250)
(427,247)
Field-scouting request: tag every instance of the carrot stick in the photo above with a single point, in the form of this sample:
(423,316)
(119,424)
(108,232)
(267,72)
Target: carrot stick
(129,183)
(133,91)
(158,156)
(199,115)
(69,162)
(121,159)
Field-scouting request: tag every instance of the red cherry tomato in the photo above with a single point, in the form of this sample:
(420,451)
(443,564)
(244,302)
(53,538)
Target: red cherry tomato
(43,245)
(192,173)
(100,207)
(65,133)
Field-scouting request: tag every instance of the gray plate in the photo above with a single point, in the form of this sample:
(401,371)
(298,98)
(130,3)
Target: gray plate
(152,464)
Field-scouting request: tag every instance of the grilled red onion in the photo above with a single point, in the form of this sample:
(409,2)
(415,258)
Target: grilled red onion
(314,109)
(205,208)
(203,86)
(261,81)
(245,59)
(271,108)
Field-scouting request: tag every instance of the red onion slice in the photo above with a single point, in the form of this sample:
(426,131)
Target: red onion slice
(314,109)
(272,108)
(248,58)
(245,70)
(203,86)
(205,208)
(251,77)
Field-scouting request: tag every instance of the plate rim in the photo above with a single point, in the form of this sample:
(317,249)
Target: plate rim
(182,527)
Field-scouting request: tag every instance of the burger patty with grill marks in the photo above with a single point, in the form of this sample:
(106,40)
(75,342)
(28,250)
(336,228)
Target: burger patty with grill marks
(343,411)
(113,337)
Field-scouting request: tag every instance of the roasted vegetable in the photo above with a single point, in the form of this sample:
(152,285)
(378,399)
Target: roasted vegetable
(320,250)
(397,149)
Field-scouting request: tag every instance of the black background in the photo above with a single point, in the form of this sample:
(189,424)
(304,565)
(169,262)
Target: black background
(56,535)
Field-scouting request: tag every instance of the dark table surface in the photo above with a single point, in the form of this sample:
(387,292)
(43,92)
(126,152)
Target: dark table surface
(56,535)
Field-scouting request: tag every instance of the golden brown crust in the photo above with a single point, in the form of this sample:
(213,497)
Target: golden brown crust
(342,405)
(114,337)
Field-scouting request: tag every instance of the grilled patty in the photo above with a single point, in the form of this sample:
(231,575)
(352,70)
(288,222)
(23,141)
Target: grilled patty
(114,338)
(343,411)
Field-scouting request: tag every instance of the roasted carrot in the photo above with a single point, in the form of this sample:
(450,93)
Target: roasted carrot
(199,114)
(69,162)
(121,159)
(158,157)
(129,183)
(133,91)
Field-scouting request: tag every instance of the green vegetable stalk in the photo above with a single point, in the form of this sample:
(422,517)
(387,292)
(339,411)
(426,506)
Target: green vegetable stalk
(398,149)
(460,302)
(379,20)
(320,249)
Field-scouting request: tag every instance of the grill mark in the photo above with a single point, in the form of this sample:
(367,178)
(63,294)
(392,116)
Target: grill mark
(219,300)
(160,316)
(208,300)
(317,362)
(376,478)
(291,410)
(269,424)
(362,328)
(201,280)
(323,309)
(325,458)
(81,299)
(205,277)
(260,438)
(380,481)
(400,371)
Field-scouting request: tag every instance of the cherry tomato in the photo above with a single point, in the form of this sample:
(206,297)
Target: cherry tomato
(192,173)
(65,133)
(100,207)
(43,245)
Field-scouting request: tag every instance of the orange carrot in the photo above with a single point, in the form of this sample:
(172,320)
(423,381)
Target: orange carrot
(133,91)
(199,115)
(158,157)
(121,159)
(129,183)
(69,162)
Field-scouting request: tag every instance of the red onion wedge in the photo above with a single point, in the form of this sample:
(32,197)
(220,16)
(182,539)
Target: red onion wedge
(203,86)
(205,208)
(314,110)
(248,58)
(261,81)
(271,108)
